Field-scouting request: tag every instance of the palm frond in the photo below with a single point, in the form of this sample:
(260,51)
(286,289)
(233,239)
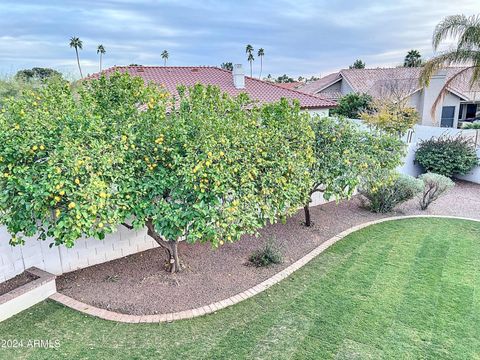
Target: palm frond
(453,26)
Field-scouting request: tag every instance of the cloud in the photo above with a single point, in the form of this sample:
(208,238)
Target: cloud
(300,37)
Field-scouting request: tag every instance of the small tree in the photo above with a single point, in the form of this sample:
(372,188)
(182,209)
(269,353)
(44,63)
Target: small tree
(358,64)
(345,154)
(352,105)
(210,169)
(434,185)
(391,117)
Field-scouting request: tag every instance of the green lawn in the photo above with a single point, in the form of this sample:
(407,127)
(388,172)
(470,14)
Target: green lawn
(402,289)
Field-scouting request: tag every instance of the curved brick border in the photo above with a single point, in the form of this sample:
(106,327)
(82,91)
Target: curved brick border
(188,314)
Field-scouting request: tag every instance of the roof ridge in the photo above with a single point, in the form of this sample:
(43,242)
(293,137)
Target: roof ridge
(293,90)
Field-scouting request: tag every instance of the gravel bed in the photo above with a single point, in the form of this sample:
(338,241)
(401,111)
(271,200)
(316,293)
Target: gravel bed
(137,284)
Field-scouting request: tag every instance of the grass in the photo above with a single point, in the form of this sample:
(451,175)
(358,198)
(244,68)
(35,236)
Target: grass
(401,289)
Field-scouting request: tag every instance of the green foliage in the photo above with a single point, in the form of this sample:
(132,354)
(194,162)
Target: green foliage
(352,105)
(413,59)
(284,79)
(434,185)
(358,64)
(471,125)
(269,254)
(391,116)
(227,66)
(344,154)
(13,87)
(37,73)
(79,164)
(447,156)
(388,189)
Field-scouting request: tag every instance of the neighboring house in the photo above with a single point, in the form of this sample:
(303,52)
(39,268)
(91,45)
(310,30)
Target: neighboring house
(231,82)
(461,103)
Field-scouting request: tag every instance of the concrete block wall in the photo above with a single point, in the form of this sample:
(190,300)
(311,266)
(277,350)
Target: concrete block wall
(59,259)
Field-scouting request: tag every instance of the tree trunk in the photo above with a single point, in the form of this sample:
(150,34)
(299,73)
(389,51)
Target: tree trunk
(171,248)
(100,62)
(78,62)
(308,221)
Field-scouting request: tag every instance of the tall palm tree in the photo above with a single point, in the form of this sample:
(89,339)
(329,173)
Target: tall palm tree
(466,31)
(76,43)
(250,58)
(101,51)
(413,59)
(261,54)
(165,57)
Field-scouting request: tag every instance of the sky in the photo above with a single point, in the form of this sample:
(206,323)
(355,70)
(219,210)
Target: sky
(300,37)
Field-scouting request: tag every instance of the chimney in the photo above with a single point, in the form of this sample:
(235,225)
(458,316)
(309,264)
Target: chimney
(238,76)
(430,94)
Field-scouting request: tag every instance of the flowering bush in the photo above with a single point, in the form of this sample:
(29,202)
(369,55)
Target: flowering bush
(388,189)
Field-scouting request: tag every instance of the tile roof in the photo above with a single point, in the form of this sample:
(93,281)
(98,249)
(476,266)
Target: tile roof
(321,83)
(376,81)
(172,76)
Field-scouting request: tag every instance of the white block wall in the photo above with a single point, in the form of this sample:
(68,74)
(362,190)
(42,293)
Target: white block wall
(58,259)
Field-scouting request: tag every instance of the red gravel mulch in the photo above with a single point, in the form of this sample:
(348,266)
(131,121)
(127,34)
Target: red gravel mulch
(137,284)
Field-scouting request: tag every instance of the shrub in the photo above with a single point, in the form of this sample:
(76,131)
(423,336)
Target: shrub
(391,117)
(268,255)
(434,185)
(473,125)
(351,105)
(388,189)
(447,156)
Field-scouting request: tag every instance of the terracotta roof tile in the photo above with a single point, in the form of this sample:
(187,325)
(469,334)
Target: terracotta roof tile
(172,76)
(375,81)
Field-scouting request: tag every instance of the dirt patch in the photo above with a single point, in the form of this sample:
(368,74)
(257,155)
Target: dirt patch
(138,285)
(14,283)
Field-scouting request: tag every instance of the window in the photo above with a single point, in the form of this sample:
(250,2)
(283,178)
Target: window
(471,111)
(448,115)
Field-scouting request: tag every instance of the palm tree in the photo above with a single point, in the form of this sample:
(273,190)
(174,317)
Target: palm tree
(76,43)
(413,59)
(466,30)
(261,54)
(250,58)
(165,57)
(101,51)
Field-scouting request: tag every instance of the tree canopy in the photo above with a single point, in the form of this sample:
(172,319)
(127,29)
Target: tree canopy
(37,73)
(352,105)
(200,167)
(345,154)
(358,64)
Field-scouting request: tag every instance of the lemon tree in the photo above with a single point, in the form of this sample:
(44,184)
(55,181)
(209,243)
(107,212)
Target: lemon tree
(344,154)
(197,167)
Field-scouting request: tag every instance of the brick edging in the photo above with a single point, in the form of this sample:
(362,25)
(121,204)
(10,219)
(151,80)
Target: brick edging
(208,309)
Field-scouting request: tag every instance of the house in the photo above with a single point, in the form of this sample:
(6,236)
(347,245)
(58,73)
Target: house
(461,103)
(232,82)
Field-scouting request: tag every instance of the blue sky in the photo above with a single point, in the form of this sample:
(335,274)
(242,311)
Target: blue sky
(300,37)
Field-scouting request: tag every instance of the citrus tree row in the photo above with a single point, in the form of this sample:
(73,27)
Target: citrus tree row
(198,167)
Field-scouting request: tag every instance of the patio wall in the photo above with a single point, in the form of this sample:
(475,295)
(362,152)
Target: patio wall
(86,252)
